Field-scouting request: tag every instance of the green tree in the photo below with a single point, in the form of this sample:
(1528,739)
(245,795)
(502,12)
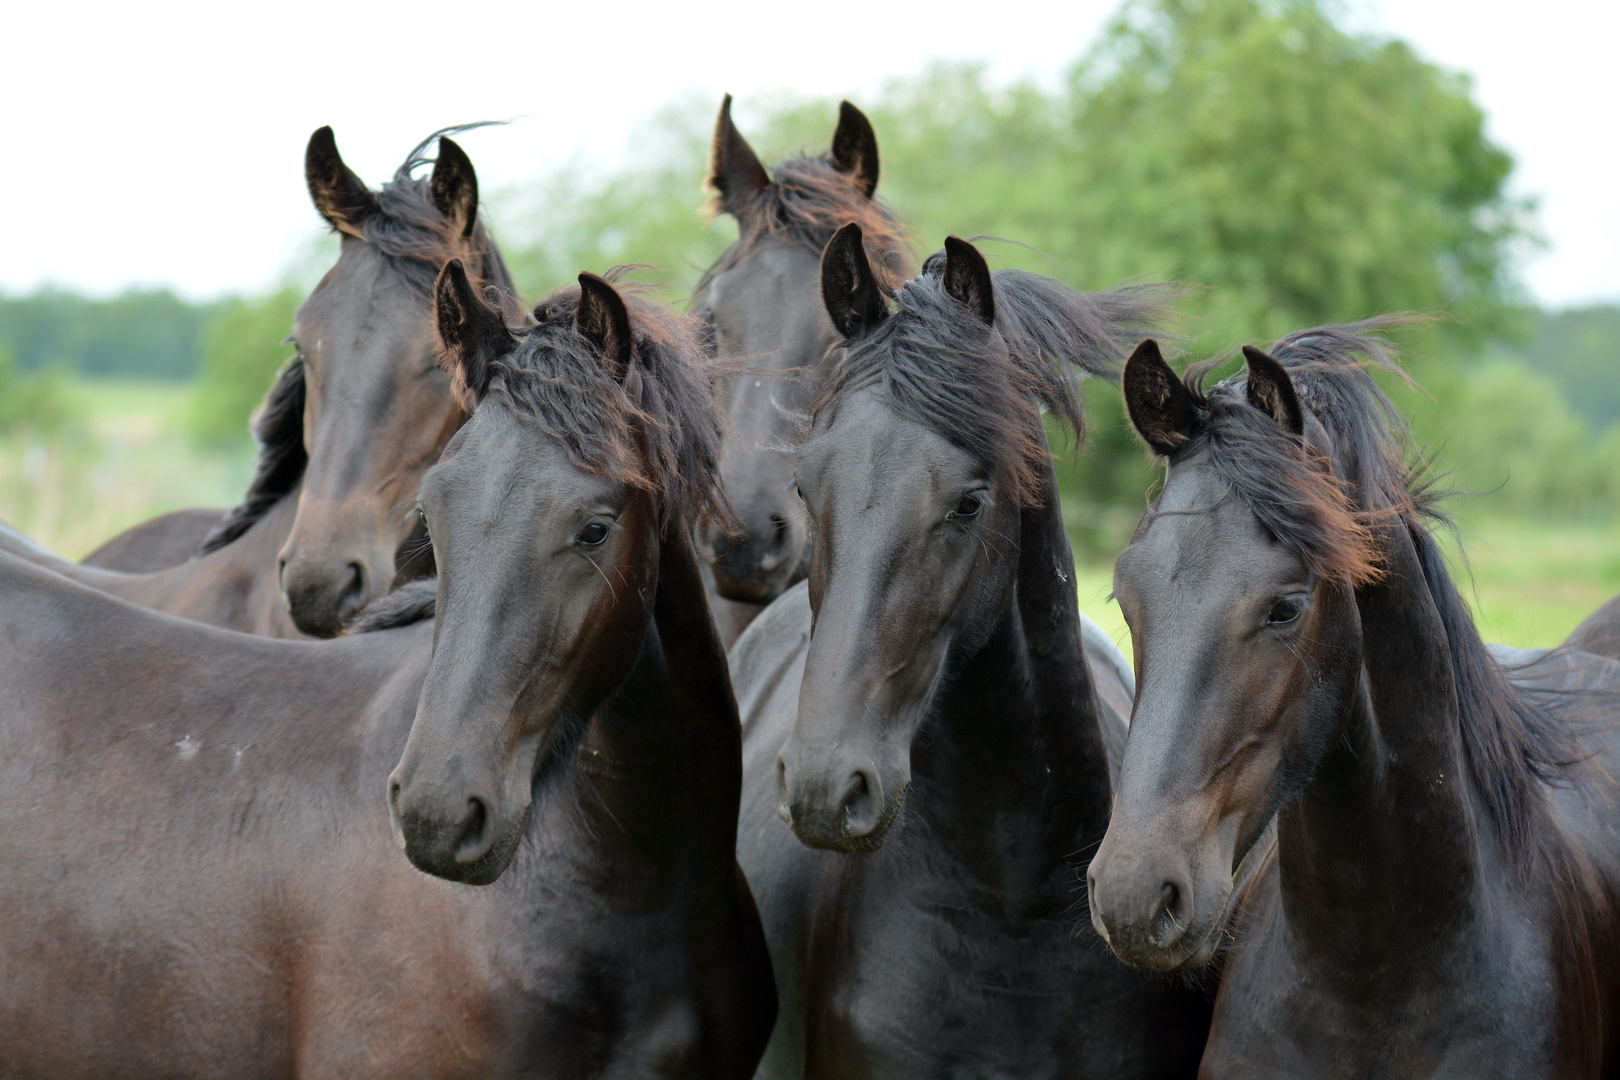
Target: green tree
(241,353)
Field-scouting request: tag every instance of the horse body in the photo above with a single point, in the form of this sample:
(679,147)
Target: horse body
(157,544)
(205,883)
(1440,895)
(227,587)
(926,710)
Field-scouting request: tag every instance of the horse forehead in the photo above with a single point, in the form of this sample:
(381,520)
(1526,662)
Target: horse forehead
(363,295)
(1200,538)
(503,459)
(870,443)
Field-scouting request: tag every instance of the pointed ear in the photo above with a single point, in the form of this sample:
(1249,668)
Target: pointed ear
(455,186)
(1161,409)
(967,278)
(471,333)
(342,197)
(734,168)
(854,147)
(604,319)
(1271,390)
(848,287)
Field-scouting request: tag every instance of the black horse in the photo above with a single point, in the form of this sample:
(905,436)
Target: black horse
(1440,896)
(763,301)
(943,733)
(200,874)
(349,427)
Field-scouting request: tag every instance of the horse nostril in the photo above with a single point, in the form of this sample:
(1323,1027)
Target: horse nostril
(473,844)
(1170,921)
(861,806)
(356,590)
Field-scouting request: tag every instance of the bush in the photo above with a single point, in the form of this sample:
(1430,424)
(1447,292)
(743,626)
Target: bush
(30,403)
(242,351)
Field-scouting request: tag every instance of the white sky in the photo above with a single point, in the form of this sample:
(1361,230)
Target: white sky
(162,143)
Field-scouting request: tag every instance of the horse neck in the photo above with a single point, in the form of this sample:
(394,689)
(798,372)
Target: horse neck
(663,755)
(1379,858)
(1012,768)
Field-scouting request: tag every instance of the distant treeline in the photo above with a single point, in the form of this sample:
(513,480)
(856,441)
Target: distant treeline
(151,334)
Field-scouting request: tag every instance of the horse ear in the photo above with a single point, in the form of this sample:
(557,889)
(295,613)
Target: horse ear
(967,278)
(472,333)
(1162,411)
(455,186)
(604,319)
(854,147)
(1271,390)
(342,197)
(734,168)
(848,287)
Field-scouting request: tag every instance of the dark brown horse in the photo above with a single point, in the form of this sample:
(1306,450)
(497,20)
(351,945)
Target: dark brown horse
(929,716)
(200,876)
(350,426)
(1599,632)
(157,543)
(763,301)
(1440,899)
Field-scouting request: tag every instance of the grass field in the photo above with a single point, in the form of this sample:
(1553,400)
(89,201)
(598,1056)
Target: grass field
(125,459)
(1532,581)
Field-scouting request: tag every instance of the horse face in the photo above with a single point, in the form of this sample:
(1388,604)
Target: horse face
(546,577)
(377,411)
(766,308)
(914,556)
(1243,659)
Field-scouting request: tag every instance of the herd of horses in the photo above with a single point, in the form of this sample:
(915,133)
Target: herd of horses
(522,814)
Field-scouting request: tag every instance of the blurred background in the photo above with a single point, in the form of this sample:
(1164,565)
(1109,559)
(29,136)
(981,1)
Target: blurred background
(1302,161)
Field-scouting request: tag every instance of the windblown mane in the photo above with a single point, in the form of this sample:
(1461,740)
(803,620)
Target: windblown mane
(658,431)
(978,385)
(418,240)
(1324,512)
(278,428)
(807,200)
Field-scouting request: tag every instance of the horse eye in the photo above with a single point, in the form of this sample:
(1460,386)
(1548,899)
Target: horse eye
(969,507)
(593,534)
(1286,610)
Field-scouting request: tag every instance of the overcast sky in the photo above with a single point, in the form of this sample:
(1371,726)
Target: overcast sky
(162,143)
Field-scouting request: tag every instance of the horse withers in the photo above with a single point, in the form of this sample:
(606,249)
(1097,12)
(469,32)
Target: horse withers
(927,725)
(202,878)
(1439,897)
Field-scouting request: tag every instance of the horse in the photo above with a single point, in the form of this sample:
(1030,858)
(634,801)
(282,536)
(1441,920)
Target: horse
(1599,632)
(929,714)
(199,848)
(350,425)
(157,543)
(1439,896)
(763,302)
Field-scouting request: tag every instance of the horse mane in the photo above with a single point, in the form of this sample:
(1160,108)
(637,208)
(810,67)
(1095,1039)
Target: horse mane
(407,605)
(417,240)
(1326,513)
(278,428)
(659,430)
(807,200)
(977,385)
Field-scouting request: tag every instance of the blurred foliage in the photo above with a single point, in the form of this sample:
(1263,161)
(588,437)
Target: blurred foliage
(30,403)
(151,334)
(1299,173)
(241,353)
(1581,349)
